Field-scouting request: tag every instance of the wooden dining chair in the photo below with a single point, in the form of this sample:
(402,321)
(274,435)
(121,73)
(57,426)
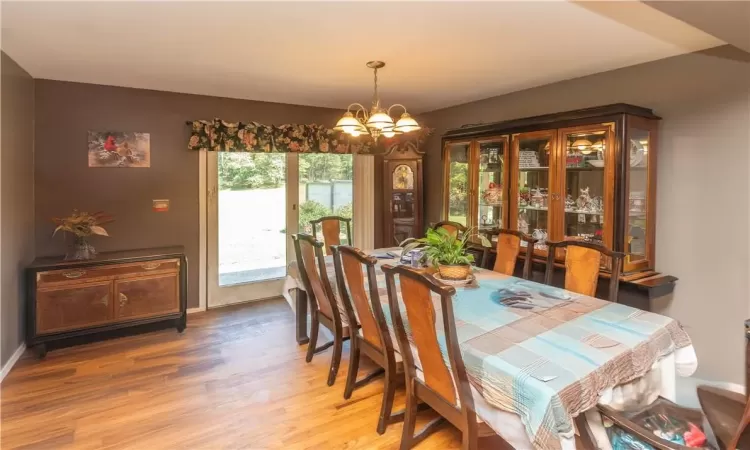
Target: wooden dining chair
(450,227)
(371,336)
(583,261)
(331,228)
(324,309)
(507,250)
(728,412)
(444,387)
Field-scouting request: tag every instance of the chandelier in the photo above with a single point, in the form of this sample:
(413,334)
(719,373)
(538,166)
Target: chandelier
(377,122)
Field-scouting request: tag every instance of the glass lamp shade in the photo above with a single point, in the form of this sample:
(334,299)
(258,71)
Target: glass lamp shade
(406,124)
(388,132)
(379,120)
(582,145)
(349,124)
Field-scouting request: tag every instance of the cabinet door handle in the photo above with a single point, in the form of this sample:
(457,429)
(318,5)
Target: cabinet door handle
(555,196)
(123,299)
(150,266)
(74,274)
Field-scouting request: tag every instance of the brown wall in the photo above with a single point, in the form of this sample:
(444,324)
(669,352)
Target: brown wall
(703,191)
(16,199)
(66,111)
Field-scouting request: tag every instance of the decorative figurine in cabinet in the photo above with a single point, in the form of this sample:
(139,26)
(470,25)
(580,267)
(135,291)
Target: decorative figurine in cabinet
(402,178)
(587,174)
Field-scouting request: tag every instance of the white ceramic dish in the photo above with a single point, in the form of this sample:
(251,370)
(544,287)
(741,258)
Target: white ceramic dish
(596,162)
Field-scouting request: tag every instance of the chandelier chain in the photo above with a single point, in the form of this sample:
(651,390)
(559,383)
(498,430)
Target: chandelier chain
(375,98)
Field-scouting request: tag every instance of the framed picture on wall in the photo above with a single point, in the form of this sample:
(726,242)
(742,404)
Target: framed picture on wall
(119,149)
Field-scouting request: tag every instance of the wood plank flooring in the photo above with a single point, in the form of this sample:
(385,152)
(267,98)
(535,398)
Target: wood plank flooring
(234,379)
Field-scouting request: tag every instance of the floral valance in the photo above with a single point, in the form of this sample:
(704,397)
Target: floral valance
(220,136)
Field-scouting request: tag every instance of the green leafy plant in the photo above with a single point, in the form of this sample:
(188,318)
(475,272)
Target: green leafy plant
(441,247)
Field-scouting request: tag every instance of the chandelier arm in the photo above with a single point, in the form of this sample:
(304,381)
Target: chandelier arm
(349,108)
(395,105)
(363,112)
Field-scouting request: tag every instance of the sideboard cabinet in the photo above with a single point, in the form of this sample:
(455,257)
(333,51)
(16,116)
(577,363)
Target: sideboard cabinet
(585,174)
(68,299)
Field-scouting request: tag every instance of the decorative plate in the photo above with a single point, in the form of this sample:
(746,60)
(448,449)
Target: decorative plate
(455,282)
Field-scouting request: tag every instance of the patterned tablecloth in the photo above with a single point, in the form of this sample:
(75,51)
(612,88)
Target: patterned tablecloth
(551,362)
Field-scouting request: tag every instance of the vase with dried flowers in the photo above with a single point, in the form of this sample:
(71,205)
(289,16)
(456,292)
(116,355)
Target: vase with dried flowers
(82,225)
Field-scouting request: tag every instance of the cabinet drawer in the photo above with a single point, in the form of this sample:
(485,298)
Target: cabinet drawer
(147,296)
(80,306)
(107,272)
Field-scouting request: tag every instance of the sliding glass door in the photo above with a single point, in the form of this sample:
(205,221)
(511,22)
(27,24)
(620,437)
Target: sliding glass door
(256,201)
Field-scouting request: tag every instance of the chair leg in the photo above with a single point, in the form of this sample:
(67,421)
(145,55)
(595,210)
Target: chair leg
(410,421)
(313,337)
(469,442)
(351,377)
(336,358)
(389,392)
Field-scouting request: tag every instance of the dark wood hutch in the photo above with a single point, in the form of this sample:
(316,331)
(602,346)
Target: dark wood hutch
(584,174)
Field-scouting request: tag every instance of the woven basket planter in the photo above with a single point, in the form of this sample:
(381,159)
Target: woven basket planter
(457,272)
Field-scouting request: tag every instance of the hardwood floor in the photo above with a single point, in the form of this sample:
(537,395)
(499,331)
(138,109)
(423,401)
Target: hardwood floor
(235,378)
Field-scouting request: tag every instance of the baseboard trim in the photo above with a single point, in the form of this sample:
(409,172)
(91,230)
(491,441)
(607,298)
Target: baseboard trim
(12,361)
(196,309)
(686,389)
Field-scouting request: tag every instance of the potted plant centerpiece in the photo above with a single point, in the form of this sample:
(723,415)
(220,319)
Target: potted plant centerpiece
(446,252)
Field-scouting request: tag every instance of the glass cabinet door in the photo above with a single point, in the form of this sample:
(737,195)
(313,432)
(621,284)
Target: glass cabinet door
(457,182)
(587,183)
(491,177)
(530,190)
(403,202)
(639,211)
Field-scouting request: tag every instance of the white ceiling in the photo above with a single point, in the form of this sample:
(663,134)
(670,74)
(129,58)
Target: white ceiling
(313,53)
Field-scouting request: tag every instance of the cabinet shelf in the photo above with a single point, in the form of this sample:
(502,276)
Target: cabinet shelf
(576,169)
(567,211)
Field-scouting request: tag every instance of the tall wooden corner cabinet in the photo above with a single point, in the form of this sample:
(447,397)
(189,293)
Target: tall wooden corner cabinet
(584,174)
(403,192)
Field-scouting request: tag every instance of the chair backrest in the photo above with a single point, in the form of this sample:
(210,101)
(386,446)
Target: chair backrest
(448,380)
(451,227)
(508,248)
(309,254)
(351,264)
(331,228)
(583,261)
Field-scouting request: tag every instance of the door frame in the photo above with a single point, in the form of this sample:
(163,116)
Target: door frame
(261,290)
(364,213)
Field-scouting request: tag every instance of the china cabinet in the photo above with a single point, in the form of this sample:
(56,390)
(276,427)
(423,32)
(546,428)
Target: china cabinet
(587,174)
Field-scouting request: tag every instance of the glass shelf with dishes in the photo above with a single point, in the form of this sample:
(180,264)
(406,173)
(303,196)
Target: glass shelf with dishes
(490,176)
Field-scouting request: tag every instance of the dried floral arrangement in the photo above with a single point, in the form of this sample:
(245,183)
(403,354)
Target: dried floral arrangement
(83,224)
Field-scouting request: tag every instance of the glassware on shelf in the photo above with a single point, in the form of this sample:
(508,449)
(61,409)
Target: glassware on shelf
(535,151)
(584,183)
(523,222)
(493,195)
(490,178)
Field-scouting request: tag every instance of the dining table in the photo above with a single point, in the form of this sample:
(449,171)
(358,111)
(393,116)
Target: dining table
(538,356)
